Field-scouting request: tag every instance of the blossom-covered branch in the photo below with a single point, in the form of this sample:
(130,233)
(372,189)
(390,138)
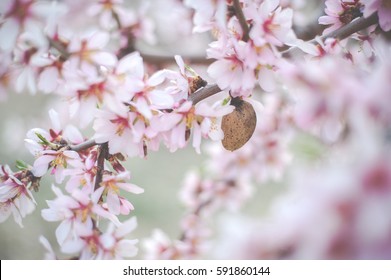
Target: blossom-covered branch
(115,106)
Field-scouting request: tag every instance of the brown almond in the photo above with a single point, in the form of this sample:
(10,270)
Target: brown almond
(239,125)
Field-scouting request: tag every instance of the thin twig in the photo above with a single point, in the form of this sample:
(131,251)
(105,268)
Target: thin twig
(242,20)
(168,59)
(82,146)
(351,28)
(204,92)
(103,150)
(342,32)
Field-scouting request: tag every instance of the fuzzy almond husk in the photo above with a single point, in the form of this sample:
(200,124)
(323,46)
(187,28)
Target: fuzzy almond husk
(239,125)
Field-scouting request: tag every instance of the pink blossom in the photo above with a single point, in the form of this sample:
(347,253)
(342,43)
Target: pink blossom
(383,9)
(92,244)
(118,129)
(88,51)
(376,86)
(57,160)
(214,194)
(49,77)
(107,10)
(76,214)
(56,138)
(139,25)
(112,184)
(147,96)
(81,173)
(339,13)
(139,90)
(30,57)
(203,120)
(271,23)
(316,108)
(177,84)
(15,196)
(178,13)
(208,14)
(159,246)
(86,92)
(113,242)
(233,73)
(17,13)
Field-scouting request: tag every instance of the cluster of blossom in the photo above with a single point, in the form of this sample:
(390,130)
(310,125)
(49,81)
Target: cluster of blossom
(107,86)
(340,12)
(129,110)
(15,195)
(328,209)
(87,202)
(241,62)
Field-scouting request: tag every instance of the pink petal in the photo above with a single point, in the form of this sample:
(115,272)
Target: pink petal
(384,14)
(127,248)
(48,80)
(9,30)
(63,231)
(180,63)
(161,99)
(99,40)
(113,203)
(41,165)
(143,107)
(126,227)
(104,58)
(130,188)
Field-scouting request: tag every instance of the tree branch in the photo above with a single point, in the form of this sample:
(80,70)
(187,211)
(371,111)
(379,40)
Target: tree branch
(104,148)
(340,34)
(166,59)
(351,28)
(82,146)
(203,93)
(242,20)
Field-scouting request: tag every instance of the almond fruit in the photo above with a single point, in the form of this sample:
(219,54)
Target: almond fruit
(239,125)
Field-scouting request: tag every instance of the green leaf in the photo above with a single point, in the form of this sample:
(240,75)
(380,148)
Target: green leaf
(44,141)
(21,165)
(226,101)
(191,70)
